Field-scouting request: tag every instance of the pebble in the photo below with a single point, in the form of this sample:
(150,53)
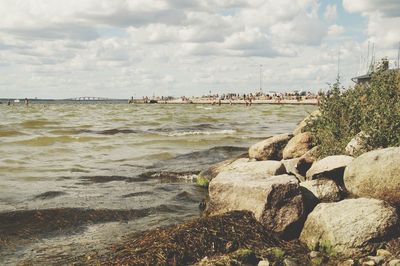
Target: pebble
(349,262)
(377,259)
(383,253)
(289,262)
(263,262)
(395,262)
(314,254)
(369,263)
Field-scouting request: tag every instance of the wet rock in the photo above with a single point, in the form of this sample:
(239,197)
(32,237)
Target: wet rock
(375,174)
(300,127)
(325,190)
(276,201)
(349,227)
(298,146)
(331,167)
(269,149)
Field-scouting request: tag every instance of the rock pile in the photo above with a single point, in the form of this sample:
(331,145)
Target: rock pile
(339,205)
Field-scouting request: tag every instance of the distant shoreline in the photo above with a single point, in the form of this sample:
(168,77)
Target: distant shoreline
(202,101)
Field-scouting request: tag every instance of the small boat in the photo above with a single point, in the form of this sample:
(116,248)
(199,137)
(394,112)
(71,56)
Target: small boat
(16,101)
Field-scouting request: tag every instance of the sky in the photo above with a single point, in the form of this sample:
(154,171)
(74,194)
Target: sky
(124,48)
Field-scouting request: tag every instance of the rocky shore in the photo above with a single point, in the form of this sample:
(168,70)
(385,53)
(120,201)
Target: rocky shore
(279,204)
(345,209)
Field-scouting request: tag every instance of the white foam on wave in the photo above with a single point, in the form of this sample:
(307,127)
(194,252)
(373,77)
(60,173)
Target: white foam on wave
(188,133)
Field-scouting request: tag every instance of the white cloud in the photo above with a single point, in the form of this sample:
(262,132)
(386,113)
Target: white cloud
(335,30)
(383,19)
(330,12)
(118,48)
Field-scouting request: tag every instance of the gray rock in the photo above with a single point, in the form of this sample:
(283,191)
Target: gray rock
(253,170)
(269,149)
(298,146)
(330,167)
(325,190)
(291,168)
(276,201)
(204,177)
(375,174)
(306,161)
(349,227)
(357,144)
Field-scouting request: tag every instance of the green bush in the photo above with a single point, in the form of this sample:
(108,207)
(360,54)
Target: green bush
(373,108)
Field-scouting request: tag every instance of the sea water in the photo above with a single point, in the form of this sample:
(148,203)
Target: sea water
(117,157)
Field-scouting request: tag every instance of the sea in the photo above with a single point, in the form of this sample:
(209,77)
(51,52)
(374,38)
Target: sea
(70,170)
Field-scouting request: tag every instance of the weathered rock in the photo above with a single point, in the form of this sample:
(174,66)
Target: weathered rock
(291,168)
(300,127)
(357,144)
(276,201)
(253,170)
(375,174)
(307,160)
(325,190)
(298,146)
(269,149)
(349,227)
(330,167)
(204,177)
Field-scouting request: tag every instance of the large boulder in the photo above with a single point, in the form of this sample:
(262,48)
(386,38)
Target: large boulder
(205,176)
(276,201)
(298,145)
(331,167)
(350,227)
(269,149)
(375,174)
(301,126)
(324,190)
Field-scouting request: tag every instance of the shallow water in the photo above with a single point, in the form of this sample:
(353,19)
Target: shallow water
(118,157)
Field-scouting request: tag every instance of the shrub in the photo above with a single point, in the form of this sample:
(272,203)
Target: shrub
(373,108)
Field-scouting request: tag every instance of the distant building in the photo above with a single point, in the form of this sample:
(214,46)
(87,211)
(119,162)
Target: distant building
(367,77)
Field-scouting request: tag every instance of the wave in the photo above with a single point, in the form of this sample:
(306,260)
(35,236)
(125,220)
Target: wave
(38,123)
(188,133)
(10,133)
(46,140)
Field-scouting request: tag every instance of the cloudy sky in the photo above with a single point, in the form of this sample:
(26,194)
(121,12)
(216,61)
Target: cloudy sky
(124,48)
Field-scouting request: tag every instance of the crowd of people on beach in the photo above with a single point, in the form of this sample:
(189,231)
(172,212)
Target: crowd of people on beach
(231,98)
